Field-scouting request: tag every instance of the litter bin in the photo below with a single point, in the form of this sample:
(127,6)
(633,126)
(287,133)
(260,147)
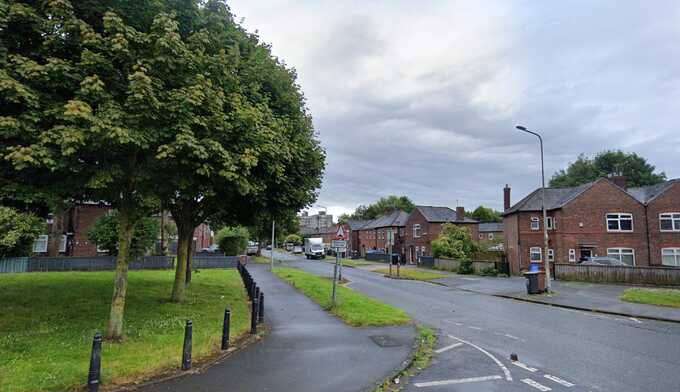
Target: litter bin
(394,258)
(532,282)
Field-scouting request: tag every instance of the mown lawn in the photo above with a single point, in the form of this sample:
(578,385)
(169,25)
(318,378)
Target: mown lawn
(661,297)
(348,262)
(354,308)
(47,321)
(410,273)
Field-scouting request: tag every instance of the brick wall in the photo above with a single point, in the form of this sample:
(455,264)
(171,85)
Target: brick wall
(669,201)
(83,217)
(422,245)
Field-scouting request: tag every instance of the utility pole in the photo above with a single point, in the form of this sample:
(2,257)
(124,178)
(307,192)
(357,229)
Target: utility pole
(545,214)
(272,251)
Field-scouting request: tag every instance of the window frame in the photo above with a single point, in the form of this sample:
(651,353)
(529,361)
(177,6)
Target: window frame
(572,255)
(675,255)
(620,254)
(42,238)
(550,222)
(551,254)
(535,220)
(674,217)
(532,251)
(618,219)
(417,230)
(490,236)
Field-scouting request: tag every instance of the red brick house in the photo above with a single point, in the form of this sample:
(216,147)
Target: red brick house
(639,226)
(354,226)
(375,233)
(424,225)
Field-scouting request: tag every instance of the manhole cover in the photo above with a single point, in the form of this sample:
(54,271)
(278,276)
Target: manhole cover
(385,341)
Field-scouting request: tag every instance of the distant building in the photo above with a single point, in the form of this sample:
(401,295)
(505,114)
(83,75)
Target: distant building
(310,224)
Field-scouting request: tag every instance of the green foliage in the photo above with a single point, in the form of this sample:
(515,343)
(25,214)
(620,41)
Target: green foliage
(636,169)
(465,267)
(344,218)
(293,239)
(105,234)
(488,271)
(383,206)
(60,350)
(485,215)
(18,231)
(454,242)
(659,297)
(352,307)
(232,241)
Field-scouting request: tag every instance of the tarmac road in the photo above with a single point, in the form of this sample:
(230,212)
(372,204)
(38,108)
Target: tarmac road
(558,349)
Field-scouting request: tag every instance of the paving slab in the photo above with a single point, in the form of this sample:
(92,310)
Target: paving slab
(307,349)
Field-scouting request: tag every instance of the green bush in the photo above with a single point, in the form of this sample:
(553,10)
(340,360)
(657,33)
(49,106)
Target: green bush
(488,271)
(454,242)
(293,239)
(465,267)
(232,241)
(105,234)
(18,231)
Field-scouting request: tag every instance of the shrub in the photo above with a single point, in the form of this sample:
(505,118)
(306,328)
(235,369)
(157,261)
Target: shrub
(465,267)
(488,271)
(232,241)
(18,231)
(105,234)
(454,242)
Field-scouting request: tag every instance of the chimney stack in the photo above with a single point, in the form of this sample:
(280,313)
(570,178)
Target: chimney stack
(460,213)
(620,181)
(506,197)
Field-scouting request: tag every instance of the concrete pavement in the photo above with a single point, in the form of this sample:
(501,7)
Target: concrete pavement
(306,350)
(559,349)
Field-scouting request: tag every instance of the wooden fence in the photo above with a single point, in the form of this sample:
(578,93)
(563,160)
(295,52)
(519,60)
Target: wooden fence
(662,276)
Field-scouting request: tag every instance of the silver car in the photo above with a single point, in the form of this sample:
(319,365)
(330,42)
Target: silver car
(604,260)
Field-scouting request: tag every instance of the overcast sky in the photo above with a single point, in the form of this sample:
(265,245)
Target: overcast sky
(420,98)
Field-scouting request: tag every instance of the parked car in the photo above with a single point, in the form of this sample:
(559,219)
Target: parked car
(269,247)
(604,260)
(252,248)
(211,249)
(297,249)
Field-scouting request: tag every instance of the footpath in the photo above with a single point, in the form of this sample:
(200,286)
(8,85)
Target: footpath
(307,349)
(603,298)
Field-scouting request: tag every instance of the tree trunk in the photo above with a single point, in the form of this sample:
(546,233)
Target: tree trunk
(190,255)
(56,230)
(164,246)
(126,225)
(185,234)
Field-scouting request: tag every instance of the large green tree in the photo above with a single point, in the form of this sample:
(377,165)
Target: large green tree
(384,205)
(105,231)
(83,96)
(485,215)
(18,231)
(636,169)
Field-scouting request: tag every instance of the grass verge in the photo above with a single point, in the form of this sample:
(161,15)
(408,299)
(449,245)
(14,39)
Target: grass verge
(660,297)
(352,263)
(354,308)
(410,273)
(47,321)
(421,360)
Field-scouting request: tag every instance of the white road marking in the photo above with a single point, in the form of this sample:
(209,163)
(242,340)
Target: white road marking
(536,385)
(499,363)
(559,380)
(636,320)
(524,366)
(441,350)
(456,381)
(511,337)
(477,328)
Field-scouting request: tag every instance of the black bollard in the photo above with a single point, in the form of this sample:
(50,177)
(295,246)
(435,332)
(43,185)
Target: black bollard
(186,349)
(257,293)
(260,312)
(225,329)
(93,378)
(253,317)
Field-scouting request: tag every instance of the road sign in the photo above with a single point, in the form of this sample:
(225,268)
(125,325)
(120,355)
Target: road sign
(340,235)
(338,244)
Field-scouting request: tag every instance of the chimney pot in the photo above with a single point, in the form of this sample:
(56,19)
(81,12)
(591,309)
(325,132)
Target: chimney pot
(460,213)
(620,181)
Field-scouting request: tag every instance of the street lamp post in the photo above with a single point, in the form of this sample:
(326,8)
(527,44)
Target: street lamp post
(545,215)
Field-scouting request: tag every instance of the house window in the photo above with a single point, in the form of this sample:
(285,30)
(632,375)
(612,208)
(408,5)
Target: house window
(481,236)
(62,244)
(40,244)
(572,255)
(535,254)
(551,254)
(416,231)
(625,255)
(490,236)
(670,257)
(619,222)
(670,221)
(550,223)
(422,250)
(535,223)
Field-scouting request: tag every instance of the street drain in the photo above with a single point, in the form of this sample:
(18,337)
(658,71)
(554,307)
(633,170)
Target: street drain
(385,341)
